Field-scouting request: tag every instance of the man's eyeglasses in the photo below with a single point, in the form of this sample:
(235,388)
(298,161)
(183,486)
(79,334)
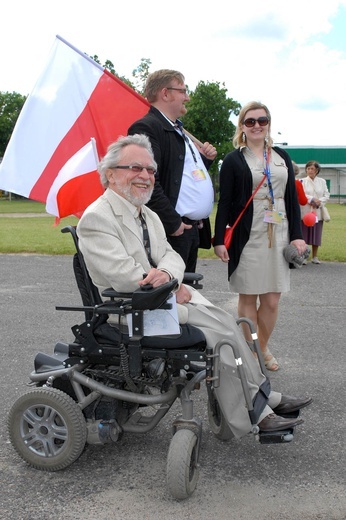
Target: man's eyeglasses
(251,121)
(135,168)
(182,90)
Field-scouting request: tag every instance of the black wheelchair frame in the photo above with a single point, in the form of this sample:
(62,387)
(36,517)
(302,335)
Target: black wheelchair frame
(103,384)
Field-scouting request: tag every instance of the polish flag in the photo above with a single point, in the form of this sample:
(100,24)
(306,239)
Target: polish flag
(76,185)
(76,109)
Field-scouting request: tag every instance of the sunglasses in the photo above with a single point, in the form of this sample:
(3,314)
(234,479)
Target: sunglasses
(251,121)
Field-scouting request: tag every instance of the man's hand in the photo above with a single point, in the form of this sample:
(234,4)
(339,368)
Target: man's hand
(209,151)
(155,277)
(183,295)
(181,229)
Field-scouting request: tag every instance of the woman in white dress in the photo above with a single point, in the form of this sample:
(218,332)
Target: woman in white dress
(257,269)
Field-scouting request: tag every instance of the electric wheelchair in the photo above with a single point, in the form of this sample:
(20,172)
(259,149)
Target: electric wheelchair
(110,381)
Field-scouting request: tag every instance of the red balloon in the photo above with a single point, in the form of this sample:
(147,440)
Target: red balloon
(309,219)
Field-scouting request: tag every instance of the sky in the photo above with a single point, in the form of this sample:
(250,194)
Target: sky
(290,56)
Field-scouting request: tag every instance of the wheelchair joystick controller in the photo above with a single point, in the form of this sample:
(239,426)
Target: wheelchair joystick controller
(147,286)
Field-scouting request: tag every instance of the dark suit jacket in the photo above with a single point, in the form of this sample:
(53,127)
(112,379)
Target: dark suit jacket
(235,190)
(169,152)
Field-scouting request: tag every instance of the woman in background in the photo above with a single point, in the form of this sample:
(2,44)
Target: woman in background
(317,193)
(257,269)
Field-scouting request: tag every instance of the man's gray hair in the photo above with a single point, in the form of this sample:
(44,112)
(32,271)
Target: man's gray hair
(112,157)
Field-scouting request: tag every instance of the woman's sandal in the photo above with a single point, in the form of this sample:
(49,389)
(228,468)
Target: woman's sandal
(270,361)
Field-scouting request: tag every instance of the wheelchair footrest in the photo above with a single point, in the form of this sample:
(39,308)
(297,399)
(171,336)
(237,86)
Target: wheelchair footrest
(276,437)
(279,436)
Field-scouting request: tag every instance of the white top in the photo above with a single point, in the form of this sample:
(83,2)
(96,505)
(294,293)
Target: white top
(196,195)
(314,189)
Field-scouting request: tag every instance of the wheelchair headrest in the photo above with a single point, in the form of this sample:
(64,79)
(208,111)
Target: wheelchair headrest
(148,297)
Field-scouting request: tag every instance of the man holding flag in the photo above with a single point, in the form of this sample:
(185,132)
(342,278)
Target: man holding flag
(183,196)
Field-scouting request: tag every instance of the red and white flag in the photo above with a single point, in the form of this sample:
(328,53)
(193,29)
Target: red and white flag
(76,109)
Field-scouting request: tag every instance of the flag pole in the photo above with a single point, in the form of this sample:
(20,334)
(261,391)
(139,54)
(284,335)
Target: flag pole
(80,53)
(193,138)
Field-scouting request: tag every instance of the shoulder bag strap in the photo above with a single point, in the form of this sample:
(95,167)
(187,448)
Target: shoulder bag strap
(248,202)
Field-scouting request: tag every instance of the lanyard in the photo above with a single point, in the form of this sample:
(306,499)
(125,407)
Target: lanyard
(179,125)
(267,173)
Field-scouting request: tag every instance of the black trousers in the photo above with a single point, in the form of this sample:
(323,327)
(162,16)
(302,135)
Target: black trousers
(187,246)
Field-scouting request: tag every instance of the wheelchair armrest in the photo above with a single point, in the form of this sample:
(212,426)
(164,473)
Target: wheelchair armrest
(112,294)
(150,298)
(193,279)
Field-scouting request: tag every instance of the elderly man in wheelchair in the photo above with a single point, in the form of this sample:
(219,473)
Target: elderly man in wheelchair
(101,385)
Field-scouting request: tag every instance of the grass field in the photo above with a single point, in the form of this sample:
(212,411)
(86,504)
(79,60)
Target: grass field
(23,233)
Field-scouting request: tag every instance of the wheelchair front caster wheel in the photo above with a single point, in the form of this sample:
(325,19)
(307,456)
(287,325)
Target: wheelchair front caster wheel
(47,429)
(182,467)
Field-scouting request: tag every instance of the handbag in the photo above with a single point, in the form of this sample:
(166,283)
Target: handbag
(229,229)
(325,214)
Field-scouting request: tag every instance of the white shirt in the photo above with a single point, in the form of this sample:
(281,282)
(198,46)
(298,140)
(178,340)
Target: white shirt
(196,195)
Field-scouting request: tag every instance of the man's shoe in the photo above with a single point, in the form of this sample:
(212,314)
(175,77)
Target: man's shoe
(290,404)
(275,423)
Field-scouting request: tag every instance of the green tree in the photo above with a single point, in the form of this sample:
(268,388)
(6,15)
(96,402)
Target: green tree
(11,104)
(110,67)
(140,74)
(208,119)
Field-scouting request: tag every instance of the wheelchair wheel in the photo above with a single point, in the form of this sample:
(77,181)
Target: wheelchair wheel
(182,468)
(218,423)
(47,429)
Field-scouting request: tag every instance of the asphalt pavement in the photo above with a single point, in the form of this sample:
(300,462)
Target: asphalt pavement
(303,479)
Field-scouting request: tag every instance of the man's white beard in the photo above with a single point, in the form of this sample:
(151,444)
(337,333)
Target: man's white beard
(136,201)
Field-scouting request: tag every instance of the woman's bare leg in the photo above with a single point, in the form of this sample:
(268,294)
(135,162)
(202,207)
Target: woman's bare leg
(267,314)
(247,308)
(314,251)
(264,319)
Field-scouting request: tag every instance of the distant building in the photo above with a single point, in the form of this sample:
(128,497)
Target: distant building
(332,160)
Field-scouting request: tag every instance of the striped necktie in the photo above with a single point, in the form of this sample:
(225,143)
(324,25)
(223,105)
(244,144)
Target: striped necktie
(146,240)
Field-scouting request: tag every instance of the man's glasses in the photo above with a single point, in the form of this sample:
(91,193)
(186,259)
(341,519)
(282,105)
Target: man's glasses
(135,168)
(182,90)
(251,121)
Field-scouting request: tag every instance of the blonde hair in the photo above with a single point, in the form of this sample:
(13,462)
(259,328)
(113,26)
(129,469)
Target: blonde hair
(238,136)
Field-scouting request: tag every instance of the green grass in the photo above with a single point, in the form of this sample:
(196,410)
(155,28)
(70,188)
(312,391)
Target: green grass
(39,235)
(33,234)
(21,206)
